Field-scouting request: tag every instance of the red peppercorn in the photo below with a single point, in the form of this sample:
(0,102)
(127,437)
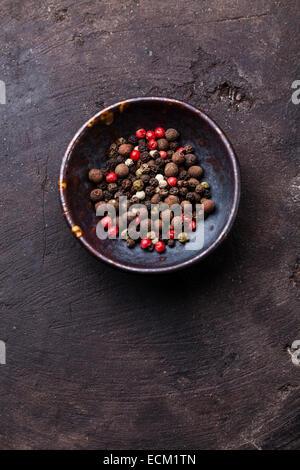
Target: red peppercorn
(135,155)
(163,154)
(137,220)
(152,144)
(111,177)
(150,135)
(172,181)
(192,225)
(140,133)
(171,234)
(180,149)
(159,132)
(160,247)
(106,221)
(113,231)
(145,242)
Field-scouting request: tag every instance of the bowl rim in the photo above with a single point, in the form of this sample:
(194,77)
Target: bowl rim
(160,269)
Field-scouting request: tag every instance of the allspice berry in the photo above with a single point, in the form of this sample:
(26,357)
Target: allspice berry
(208,205)
(171,134)
(125,150)
(195,171)
(171,169)
(122,170)
(95,175)
(190,159)
(178,158)
(193,183)
(96,195)
(170,200)
(155,199)
(162,144)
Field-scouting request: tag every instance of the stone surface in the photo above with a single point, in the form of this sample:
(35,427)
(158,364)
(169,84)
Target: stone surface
(98,358)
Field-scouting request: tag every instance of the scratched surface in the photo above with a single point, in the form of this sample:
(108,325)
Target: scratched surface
(98,358)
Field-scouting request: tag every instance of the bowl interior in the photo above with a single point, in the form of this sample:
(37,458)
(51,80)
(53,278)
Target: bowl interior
(89,145)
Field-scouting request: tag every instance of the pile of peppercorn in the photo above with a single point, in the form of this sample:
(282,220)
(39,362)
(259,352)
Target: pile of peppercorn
(149,168)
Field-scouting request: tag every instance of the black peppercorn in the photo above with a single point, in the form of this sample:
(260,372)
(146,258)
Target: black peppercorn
(133,140)
(190,197)
(145,157)
(162,144)
(112,187)
(182,174)
(107,195)
(153,182)
(142,148)
(171,134)
(145,178)
(174,146)
(174,191)
(171,243)
(142,142)
(190,159)
(149,191)
(183,192)
(164,193)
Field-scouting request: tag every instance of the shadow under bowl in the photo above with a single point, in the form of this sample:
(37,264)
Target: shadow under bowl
(215,155)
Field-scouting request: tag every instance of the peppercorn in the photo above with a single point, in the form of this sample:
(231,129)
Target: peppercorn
(171,243)
(171,169)
(112,187)
(174,146)
(163,193)
(190,197)
(133,140)
(126,184)
(138,185)
(170,200)
(189,149)
(182,174)
(155,198)
(183,192)
(149,190)
(153,182)
(208,205)
(122,170)
(145,157)
(162,144)
(197,197)
(143,148)
(130,243)
(95,175)
(120,141)
(192,182)
(199,189)
(183,237)
(174,191)
(107,195)
(171,134)
(178,158)
(96,195)
(190,159)
(195,171)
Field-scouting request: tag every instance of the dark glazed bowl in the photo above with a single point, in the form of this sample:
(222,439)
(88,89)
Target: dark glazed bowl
(214,152)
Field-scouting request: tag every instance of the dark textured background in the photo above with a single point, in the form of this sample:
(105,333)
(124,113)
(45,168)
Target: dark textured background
(98,358)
